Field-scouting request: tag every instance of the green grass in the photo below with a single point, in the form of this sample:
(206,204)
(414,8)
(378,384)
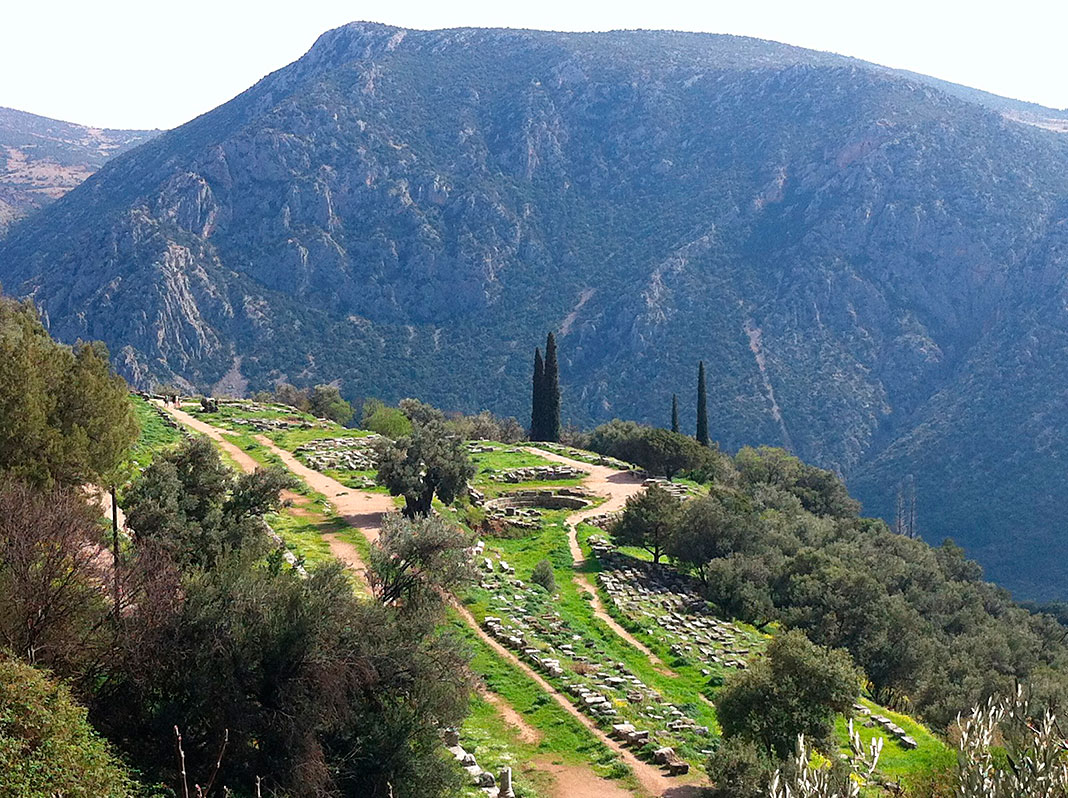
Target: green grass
(684,689)
(897,762)
(304,536)
(236,416)
(564,739)
(502,460)
(155,436)
(495,745)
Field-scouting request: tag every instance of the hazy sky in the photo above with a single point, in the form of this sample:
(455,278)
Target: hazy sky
(158,63)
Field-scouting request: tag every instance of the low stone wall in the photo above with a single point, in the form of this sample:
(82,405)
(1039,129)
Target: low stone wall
(561,499)
(499,787)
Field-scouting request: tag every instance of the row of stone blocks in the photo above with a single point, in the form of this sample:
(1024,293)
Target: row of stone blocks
(666,756)
(499,787)
(899,734)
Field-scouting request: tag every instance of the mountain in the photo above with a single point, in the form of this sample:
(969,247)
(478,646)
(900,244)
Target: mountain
(871,266)
(42,159)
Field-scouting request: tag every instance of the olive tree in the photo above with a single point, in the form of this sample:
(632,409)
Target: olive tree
(429,462)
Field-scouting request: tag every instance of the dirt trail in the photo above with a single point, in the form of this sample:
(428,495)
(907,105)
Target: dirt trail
(241,457)
(617,486)
(651,778)
(344,551)
(101,497)
(579,782)
(358,508)
(365,510)
(524,731)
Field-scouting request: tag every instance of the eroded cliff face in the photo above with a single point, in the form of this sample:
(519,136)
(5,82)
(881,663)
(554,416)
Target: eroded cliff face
(857,255)
(42,159)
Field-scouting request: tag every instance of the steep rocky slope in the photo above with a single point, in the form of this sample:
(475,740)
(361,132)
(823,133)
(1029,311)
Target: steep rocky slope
(870,266)
(42,159)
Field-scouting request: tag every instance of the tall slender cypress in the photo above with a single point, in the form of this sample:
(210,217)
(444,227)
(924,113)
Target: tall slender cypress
(551,391)
(674,413)
(702,406)
(537,399)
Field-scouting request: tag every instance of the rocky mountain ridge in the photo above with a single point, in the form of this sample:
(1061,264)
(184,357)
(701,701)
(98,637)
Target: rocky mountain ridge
(869,265)
(42,159)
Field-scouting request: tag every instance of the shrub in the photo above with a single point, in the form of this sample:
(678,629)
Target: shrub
(797,689)
(379,417)
(543,575)
(46,744)
(738,770)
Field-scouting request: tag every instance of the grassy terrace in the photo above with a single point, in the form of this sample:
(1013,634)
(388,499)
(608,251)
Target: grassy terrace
(896,762)
(560,738)
(506,457)
(563,740)
(682,688)
(155,434)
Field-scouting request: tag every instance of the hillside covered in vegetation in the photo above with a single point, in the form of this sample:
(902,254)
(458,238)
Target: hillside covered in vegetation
(429,605)
(869,262)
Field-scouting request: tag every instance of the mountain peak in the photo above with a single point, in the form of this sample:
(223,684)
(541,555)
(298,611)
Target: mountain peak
(853,252)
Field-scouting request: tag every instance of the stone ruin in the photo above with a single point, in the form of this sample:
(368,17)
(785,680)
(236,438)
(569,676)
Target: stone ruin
(525,621)
(680,492)
(342,454)
(881,721)
(499,787)
(523,508)
(657,594)
(587,457)
(547,473)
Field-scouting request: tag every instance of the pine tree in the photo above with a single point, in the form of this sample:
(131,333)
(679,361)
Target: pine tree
(551,393)
(702,406)
(674,413)
(537,400)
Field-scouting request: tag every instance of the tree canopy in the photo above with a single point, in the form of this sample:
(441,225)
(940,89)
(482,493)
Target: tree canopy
(429,462)
(659,451)
(190,503)
(796,688)
(649,521)
(64,414)
(47,746)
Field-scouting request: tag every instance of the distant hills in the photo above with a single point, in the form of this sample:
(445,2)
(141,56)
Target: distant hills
(42,159)
(871,263)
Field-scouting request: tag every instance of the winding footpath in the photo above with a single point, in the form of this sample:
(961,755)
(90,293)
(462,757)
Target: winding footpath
(364,511)
(617,486)
(342,550)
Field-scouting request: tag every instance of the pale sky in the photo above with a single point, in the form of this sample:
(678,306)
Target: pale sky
(158,63)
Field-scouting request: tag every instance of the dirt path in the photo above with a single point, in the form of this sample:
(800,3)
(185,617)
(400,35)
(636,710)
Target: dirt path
(650,777)
(524,731)
(241,457)
(364,511)
(101,497)
(344,551)
(617,486)
(360,509)
(579,782)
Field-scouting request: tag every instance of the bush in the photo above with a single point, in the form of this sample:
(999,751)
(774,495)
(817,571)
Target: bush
(379,417)
(543,575)
(656,450)
(325,401)
(46,744)
(486,427)
(797,689)
(738,770)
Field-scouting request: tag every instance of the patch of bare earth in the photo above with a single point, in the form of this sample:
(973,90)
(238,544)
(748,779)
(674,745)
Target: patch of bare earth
(571,781)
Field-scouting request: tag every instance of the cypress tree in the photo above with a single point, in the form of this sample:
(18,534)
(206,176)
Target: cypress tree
(674,413)
(551,392)
(537,400)
(702,406)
